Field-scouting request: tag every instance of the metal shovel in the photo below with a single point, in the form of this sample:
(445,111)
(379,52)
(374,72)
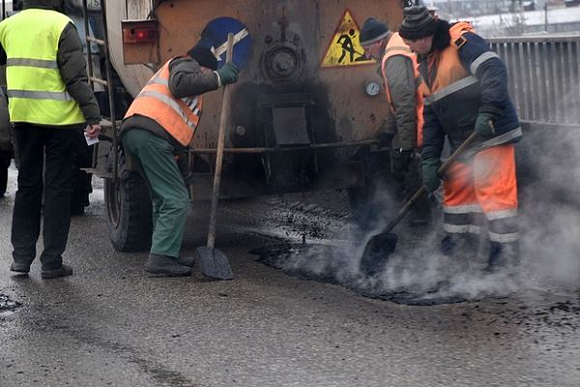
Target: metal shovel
(383,244)
(212,262)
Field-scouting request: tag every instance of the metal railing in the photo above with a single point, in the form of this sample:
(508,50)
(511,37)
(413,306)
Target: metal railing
(544,76)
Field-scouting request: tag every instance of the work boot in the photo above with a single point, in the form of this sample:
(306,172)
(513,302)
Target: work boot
(448,244)
(166,266)
(22,268)
(503,258)
(62,271)
(186,261)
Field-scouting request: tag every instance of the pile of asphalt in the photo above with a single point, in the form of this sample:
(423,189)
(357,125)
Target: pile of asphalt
(6,304)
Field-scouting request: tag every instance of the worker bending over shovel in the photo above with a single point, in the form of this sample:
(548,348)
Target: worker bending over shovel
(467,90)
(159,125)
(402,127)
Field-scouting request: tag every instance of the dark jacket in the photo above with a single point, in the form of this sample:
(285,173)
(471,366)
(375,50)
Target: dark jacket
(71,64)
(185,80)
(453,112)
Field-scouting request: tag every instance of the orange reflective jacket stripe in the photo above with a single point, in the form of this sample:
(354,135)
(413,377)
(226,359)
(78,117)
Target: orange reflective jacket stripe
(178,116)
(396,46)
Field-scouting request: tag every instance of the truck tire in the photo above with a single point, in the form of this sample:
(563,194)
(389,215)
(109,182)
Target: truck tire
(129,213)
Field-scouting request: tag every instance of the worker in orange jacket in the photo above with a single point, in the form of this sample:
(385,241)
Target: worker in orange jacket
(467,91)
(159,125)
(401,130)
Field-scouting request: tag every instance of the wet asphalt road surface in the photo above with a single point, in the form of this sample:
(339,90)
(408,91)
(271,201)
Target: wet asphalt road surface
(111,325)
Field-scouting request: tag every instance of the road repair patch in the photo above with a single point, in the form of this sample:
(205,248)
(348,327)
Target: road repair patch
(329,264)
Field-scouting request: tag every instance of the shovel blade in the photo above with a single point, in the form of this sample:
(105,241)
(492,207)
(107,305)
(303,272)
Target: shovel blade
(213,263)
(377,252)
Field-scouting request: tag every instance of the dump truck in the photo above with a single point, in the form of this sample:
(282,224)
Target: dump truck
(304,112)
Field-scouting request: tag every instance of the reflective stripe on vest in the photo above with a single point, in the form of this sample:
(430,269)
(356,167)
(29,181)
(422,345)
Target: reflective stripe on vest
(396,46)
(178,116)
(36,90)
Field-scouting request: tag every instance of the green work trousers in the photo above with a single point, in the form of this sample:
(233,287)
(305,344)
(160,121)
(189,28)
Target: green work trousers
(154,157)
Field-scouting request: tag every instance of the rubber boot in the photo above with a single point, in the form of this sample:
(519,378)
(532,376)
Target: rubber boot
(166,266)
(463,250)
(503,258)
(448,245)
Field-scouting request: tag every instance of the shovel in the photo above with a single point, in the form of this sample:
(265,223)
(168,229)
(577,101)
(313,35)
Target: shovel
(212,262)
(382,245)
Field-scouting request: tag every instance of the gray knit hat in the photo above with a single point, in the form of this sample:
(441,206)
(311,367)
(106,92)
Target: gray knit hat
(372,31)
(417,23)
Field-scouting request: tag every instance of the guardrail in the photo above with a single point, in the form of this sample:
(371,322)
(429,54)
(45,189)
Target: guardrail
(544,76)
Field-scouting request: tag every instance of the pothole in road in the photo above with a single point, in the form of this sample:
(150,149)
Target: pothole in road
(333,264)
(6,304)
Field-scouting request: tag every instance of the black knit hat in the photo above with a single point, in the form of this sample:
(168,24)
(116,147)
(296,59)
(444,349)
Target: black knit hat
(372,31)
(417,23)
(203,56)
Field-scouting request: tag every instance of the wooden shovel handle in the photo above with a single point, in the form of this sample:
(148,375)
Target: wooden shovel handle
(226,99)
(403,211)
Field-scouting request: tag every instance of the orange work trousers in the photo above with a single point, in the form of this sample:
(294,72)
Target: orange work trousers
(484,187)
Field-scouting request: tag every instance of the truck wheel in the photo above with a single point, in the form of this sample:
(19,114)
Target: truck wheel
(128,205)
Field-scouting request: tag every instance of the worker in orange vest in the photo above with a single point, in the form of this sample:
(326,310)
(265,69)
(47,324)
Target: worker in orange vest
(159,125)
(401,130)
(467,91)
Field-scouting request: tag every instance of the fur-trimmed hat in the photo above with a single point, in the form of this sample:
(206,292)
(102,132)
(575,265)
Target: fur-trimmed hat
(203,56)
(372,31)
(417,23)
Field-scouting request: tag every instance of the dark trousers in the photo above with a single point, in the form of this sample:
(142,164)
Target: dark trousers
(48,150)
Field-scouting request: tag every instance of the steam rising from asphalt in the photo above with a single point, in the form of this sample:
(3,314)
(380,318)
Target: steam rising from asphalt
(549,220)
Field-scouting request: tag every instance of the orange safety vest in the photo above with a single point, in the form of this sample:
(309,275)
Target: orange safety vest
(178,116)
(447,64)
(396,46)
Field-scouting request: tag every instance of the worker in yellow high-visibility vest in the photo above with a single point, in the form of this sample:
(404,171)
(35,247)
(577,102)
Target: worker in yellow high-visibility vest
(50,101)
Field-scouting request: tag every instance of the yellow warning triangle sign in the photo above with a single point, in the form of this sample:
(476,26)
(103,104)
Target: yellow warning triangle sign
(344,48)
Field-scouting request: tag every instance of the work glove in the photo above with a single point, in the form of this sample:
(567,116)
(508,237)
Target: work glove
(228,73)
(431,179)
(400,163)
(484,124)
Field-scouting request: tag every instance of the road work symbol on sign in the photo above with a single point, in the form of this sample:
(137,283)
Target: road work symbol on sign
(215,36)
(344,48)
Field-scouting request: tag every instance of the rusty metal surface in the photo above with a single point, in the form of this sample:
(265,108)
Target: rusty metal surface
(286,73)
(310,25)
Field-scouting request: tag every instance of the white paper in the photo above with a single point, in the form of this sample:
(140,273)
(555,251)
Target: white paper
(91,141)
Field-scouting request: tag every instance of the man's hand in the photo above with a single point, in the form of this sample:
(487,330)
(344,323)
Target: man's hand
(228,73)
(484,124)
(93,130)
(400,161)
(431,179)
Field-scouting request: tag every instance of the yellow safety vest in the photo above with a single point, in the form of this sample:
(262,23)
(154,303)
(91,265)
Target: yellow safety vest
(36,92)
